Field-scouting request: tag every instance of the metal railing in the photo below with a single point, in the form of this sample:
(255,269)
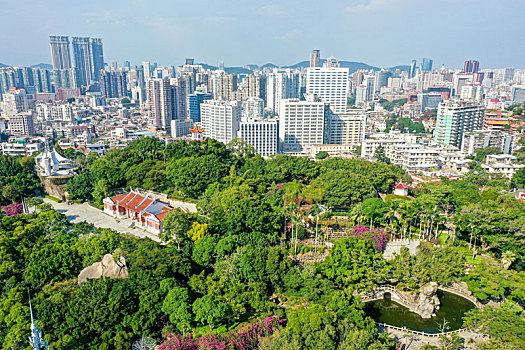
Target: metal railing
(462,293)
(424,334)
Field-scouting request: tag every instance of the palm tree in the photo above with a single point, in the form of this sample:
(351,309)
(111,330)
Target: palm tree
(403,212)
(390,212)
(296,219)
(315,210)
(290,210)
(507,258)
(356,214)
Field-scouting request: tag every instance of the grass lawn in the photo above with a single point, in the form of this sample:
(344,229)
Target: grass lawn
(58,200)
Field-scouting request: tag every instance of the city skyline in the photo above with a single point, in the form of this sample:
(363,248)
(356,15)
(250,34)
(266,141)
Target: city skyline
(240,33)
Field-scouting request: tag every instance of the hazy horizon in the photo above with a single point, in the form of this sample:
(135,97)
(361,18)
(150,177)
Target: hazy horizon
(381,33)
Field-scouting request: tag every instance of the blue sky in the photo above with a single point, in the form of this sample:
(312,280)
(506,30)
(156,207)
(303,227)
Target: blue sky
(378,32)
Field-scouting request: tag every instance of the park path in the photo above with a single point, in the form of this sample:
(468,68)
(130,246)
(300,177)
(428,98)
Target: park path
(84,212)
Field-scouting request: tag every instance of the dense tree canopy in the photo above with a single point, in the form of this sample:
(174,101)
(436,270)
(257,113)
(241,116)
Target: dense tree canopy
(238,260)
(17,179)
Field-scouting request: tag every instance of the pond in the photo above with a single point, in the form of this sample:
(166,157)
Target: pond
(451,311)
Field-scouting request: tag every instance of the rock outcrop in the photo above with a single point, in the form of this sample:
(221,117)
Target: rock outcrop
(108,267)
(428,302)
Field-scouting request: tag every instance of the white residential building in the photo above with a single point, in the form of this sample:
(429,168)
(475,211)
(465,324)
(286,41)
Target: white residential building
(159,103)
(22,124)
(360,95)
(181,127)
(331,85)
(220,119)
(23,147)
(302,124)
(472,91)
(334,150)
(403,152)
(253,107)
(262,134)
(15,101)
(502,163)
(223,85)
(454,118)
(62,113)
(281,84)
(487,138)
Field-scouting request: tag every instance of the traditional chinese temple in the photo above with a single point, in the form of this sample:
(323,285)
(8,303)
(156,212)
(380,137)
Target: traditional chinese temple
(148,211)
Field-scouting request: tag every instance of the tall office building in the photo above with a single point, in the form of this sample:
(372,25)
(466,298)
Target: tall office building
(256,84)
(302,124)
(113,84)
(60,52)
(83,59)
(42,79)
(160,105)
(426,65)
(518,93)
(382,79)
(194,104)
(459,80)
(7,80)
(369,81)
(331,85)
(412,71)
(361,95)
(315,58)
(146,66)
(179,98)
(261,134)
(508,74)
(66,78)
(97,55)
(281,84)
(471,66)
(429,100)
(223,85)
(220,119)
(455,118)
(347,129)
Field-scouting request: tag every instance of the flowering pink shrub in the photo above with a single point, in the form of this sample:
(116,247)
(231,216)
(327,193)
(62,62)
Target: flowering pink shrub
(239,341)
(378,236)
(13,209)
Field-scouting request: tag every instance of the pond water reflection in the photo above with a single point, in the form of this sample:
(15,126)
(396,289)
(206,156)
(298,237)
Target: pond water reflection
(452,310)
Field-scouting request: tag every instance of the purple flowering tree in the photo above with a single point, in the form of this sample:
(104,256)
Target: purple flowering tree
(376,235)
(247,340)
(13,209)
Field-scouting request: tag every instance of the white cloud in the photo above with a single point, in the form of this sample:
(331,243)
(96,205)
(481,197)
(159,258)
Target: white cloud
(219,19)
(289,35)
(272,11)
(373,6)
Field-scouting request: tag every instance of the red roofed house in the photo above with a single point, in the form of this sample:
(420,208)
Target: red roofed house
(401,189)
(148,211)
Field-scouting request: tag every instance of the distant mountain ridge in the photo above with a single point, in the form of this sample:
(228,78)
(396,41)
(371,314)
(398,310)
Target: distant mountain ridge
(249,68)
(39,65)
(43,66)
(353,67)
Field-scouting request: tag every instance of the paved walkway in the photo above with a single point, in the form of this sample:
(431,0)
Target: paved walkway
(84,212)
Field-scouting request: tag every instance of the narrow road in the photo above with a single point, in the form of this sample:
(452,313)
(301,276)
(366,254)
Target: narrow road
(84,212)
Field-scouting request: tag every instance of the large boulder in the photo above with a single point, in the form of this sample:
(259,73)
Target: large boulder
(428,302)
(108,267)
